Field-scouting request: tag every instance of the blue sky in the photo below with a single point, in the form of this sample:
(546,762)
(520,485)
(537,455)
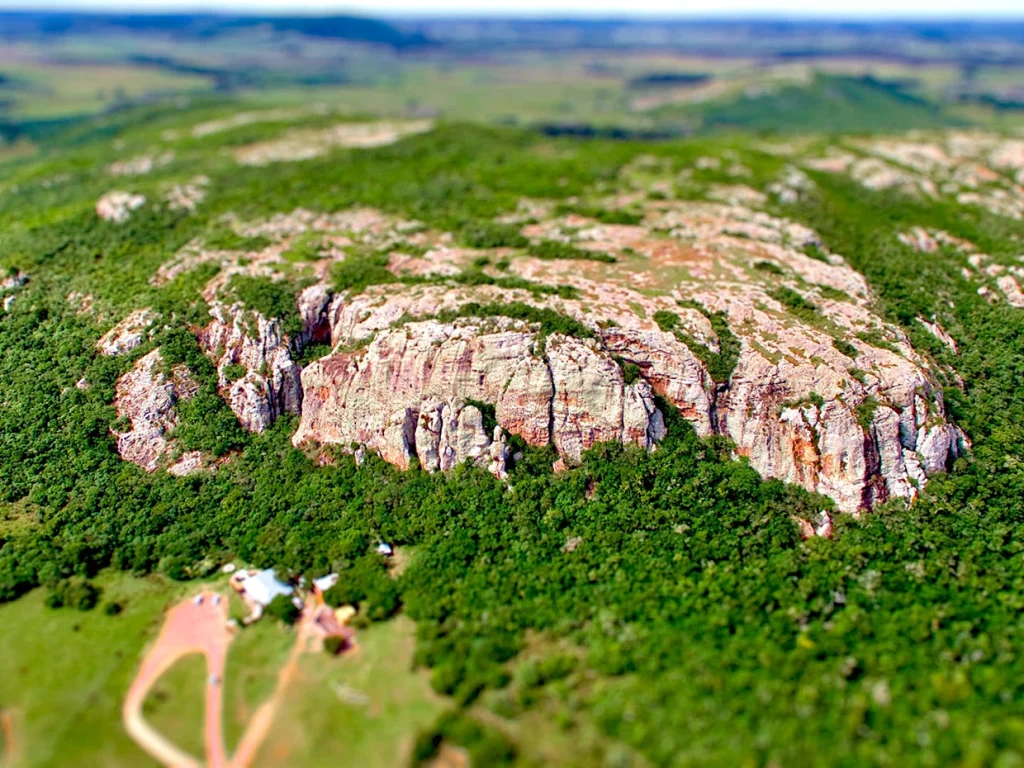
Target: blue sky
(818,8)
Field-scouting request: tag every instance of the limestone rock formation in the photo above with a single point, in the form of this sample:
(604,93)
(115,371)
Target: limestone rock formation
(412,392)
(832,399)
(269,385)
(741,320)
(127,334)
(145,397)
(189,463)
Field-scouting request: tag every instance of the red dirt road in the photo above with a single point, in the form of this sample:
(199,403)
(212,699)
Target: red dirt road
(7,725)
(259,725)
(189,628)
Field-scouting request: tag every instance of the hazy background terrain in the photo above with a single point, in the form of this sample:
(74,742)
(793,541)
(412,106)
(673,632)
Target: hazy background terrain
(645,77)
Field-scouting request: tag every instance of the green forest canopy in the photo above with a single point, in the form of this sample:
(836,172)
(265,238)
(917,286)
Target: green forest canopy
(688,621)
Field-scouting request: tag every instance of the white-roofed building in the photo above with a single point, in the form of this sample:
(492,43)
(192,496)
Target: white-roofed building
(263,586)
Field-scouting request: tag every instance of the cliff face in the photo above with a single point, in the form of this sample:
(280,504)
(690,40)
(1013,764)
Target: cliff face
(410,392)
(811,423)
(821,392)
(741,320)
(249,344)
(144,399)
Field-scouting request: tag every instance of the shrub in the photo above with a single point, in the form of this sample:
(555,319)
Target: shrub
(556,249)
(234,372)
(357,273)
(795,303)
(488,234)
(271,298)
(282,609)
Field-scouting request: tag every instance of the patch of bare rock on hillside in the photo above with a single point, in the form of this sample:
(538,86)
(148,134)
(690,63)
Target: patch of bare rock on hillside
(117,205)
(144,399)
(305,144)
(255,370)
(127,334)
(974,169)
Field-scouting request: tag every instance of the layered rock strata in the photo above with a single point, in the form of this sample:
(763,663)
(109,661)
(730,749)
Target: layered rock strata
(412,392)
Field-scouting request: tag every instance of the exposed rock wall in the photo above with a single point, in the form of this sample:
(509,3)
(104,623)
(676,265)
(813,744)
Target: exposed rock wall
(806,420)
(270,385)
(408,393)
(146,397)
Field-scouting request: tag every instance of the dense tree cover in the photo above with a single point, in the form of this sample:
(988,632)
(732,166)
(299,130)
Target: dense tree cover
(271,298)
(665,596)
(828,104)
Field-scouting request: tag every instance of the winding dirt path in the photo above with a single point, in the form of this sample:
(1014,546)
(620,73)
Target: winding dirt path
(259,725)
(189,628)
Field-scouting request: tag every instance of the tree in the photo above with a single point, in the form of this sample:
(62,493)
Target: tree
(283,609)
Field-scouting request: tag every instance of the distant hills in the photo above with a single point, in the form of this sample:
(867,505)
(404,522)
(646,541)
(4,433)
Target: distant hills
(20,24)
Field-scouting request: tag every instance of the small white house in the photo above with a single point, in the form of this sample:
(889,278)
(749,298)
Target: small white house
(385,549)
(325,582)
(263,586)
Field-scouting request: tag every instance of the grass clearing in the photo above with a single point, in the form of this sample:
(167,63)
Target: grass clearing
(174,705)
(363,708)
(65,672)
(47,90)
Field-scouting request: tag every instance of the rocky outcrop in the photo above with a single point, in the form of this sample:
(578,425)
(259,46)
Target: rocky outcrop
(306,144)
(1011,290)
(8,285)
(821,528)
(139,165)
(127,334)
(741,320)
(117,206)
(411,392)
(940,333)
(809,399)
(145,398)
(187,196)
(246,343)
(189,463)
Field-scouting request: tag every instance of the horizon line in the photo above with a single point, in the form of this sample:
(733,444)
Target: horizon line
(283,11)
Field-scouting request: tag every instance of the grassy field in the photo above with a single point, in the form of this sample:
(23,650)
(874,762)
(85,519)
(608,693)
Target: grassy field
(174,705)
(65,671)
(621,88)
(256,656)
(363,708)
(36,90)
